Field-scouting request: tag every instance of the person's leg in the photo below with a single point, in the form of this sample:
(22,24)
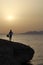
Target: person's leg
(10,38)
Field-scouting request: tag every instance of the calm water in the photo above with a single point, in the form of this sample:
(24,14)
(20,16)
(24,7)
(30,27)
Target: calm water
(35,41)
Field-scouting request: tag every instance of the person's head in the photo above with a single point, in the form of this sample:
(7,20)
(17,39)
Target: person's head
(10,30)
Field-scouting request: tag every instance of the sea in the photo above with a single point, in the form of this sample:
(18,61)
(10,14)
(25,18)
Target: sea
(35,41)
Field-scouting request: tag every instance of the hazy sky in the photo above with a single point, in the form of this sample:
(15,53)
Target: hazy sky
(21,15)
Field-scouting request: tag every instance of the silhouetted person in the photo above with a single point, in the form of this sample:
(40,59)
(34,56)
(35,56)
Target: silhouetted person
(10,35)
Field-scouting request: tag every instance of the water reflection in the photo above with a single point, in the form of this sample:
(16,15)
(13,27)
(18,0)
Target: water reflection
(27,64)
(40,64)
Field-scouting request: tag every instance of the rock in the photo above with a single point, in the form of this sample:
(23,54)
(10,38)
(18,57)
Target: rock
(14,53)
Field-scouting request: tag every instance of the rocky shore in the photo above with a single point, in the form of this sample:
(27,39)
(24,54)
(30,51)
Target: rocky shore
(14,53)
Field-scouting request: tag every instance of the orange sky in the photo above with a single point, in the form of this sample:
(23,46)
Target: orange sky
(21,15)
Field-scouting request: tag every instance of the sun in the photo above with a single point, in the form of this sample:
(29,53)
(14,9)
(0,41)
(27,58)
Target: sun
(10,18)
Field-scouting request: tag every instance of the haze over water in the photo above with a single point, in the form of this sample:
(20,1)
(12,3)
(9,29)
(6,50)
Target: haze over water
(34,41)
(21,15)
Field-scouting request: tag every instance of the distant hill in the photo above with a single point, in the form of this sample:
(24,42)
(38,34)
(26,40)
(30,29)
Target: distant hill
(33,32)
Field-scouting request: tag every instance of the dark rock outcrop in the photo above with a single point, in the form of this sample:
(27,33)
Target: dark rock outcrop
(14,53)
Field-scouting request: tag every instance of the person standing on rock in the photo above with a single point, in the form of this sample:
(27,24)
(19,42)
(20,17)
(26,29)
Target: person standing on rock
(10,35)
